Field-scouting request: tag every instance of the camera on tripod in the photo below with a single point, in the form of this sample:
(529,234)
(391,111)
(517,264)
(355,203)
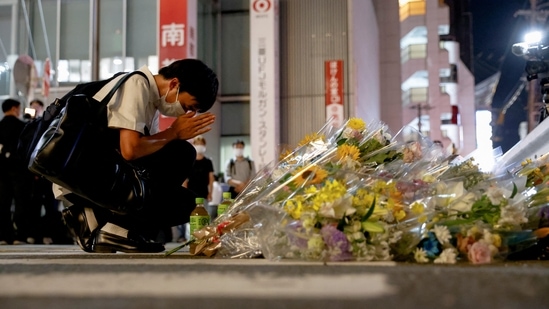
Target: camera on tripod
(535,50)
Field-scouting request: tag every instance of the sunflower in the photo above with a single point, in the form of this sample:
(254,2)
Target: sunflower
(356,124)
(345,151)
(309,138)
(310,175)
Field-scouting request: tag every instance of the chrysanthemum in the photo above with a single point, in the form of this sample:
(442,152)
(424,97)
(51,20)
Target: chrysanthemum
(448,256)
(310,175)
(442,234)
(356,124)
(420,256)
(348,152)
(309,138)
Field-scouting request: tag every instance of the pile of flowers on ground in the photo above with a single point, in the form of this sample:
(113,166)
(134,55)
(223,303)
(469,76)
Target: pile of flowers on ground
(357,193)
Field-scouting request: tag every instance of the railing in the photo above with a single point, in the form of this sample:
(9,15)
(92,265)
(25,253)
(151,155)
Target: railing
(414,95)
(414,51)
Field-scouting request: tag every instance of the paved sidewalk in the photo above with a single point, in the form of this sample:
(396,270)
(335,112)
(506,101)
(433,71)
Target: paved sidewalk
(62,277)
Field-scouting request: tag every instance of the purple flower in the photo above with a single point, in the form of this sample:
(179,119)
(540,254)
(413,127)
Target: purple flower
(337,243)
(296,234)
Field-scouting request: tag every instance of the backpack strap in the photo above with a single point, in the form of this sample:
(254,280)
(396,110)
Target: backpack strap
(111,93)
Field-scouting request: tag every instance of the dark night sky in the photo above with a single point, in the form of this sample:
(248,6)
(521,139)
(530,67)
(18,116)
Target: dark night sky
(495,30)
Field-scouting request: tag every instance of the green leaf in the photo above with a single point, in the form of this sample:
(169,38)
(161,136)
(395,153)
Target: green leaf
(372,227)
(341,224)
(341,141)
(370,211)
(174,250)
(515,190)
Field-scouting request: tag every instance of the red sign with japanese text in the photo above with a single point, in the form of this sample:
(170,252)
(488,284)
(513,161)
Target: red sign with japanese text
(176,36)
(333,74)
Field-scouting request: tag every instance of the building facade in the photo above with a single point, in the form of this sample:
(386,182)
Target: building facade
(437,86)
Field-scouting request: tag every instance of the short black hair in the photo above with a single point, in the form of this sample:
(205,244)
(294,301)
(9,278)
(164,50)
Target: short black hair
(195,78)
(9,104)
(37,102)
(239,142)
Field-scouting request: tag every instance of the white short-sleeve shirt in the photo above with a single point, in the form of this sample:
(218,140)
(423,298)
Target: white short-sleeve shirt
(133,106)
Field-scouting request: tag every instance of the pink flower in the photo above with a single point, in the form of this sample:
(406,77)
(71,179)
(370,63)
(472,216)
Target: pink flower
(479,253)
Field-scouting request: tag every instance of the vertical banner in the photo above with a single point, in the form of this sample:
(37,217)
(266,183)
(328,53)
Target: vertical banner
(176,36)
(333,75)
(46,75)
(264,81)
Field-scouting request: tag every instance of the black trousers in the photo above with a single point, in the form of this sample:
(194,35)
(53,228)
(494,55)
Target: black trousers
(15,187)
(172,203)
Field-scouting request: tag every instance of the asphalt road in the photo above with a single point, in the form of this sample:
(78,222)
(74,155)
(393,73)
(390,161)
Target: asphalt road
(64,277)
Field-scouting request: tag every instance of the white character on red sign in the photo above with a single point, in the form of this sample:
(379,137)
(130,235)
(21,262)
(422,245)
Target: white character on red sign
(173,34)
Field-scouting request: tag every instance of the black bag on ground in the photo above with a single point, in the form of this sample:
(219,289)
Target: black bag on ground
(76,151)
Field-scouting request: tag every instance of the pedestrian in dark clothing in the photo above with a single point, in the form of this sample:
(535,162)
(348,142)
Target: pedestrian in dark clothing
(15,179)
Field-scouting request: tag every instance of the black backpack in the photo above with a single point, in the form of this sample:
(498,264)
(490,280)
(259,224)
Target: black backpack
(232,168)
(34,129)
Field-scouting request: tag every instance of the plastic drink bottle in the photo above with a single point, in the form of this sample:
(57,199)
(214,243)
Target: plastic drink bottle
(225,203)
(199,216)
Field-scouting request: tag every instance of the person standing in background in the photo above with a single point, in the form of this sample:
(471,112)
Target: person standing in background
(15,178)
(48,228)
(201,178)
(240,170)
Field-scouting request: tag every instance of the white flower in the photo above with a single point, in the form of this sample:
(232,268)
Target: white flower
(337,209)
(442,234)
(465,203)
(512,215)
(420,256)
(448,256)
(447,193)
(395,237)
(495,194)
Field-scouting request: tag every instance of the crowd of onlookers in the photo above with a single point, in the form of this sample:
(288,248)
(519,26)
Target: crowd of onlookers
(30,214)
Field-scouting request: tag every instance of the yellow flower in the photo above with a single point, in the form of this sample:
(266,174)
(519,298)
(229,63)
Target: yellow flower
(284,154)
(496,240)
(294,207)
(348,151)
(362,201)
(331,191)
(356,124)
(309,138)
(310,174)
(417,208)
(315,243)
(399,214)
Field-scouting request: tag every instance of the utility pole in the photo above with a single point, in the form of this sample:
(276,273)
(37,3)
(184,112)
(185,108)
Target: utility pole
(420,108)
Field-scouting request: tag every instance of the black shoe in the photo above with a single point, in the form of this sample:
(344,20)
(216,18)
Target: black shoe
(112,238)
(81,223)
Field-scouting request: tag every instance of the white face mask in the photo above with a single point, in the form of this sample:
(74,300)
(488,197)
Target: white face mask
(170,109)
(200,148)
(238,152)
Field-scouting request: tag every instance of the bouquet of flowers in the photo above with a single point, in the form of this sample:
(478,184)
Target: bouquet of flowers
(359,193)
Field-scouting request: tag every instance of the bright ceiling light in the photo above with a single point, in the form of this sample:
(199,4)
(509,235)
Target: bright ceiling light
(532,37)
